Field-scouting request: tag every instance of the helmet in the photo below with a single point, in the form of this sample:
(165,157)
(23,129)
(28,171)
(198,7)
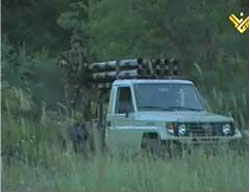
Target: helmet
(75,38)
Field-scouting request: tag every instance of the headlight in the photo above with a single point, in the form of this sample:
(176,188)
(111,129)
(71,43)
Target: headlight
(171,128)
(227,129)
(182,130)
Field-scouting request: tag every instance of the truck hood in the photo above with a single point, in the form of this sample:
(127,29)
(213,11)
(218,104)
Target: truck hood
(181,116)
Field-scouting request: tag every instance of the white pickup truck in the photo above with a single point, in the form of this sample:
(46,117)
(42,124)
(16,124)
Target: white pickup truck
(150,107)
(151,113)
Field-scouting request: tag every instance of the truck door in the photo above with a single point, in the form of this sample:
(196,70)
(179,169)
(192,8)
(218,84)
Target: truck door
(121,135)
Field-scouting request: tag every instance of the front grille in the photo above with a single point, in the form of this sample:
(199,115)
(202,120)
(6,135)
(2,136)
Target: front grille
(198,129)
(204,140)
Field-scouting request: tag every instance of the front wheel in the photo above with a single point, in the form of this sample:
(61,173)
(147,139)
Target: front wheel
(153,146)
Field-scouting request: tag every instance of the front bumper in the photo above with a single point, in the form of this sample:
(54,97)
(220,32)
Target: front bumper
(205,139)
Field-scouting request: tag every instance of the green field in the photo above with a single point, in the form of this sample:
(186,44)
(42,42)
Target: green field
(67,171)
(34,159)
(35,150)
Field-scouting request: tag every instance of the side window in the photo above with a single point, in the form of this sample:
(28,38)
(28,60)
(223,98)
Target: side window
(124,101)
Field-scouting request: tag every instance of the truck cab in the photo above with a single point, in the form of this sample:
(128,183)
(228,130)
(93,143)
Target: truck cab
(143,112)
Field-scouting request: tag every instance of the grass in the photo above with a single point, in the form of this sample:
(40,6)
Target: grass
(67,171)
(37,162)
(33,159)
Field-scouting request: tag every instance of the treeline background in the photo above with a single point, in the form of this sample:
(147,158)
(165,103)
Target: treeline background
(198,33)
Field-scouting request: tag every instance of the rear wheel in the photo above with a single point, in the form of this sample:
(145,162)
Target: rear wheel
(81,138)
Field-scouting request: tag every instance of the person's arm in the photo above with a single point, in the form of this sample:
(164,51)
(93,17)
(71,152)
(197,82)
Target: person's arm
(85,58)
(62,62)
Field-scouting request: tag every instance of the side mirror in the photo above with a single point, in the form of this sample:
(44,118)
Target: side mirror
(125,109)
(129,109)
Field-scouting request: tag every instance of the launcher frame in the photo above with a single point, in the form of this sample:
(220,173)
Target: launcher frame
(102,75)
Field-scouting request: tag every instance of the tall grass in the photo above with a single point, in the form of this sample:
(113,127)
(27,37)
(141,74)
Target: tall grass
(37,154)
(67,171)
(35,158)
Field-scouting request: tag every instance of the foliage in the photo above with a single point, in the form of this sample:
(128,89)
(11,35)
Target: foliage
(39,157)
(34,126)
(66,171)
(34,22)
(48,86)
(17,65)
(38,75)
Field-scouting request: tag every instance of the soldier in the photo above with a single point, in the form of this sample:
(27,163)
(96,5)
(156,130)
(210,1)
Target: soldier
(74,66)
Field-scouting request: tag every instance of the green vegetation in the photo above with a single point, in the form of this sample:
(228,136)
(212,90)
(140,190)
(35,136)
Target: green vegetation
(36,152)
(70,172)
(38,156)
(35,159)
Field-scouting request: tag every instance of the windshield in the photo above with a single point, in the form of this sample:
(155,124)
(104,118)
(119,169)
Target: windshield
(167,97)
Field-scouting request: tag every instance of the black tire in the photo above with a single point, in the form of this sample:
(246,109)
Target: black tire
(154,147)
(81,138)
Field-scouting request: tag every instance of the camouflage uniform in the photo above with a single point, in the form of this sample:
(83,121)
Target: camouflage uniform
(74,66)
